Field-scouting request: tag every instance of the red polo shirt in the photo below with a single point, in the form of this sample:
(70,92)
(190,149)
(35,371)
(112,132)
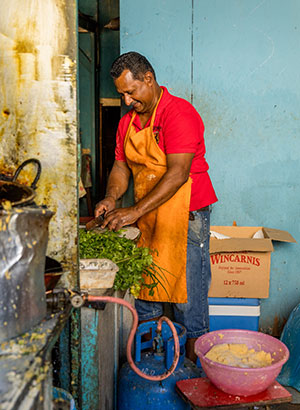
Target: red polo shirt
(178,128)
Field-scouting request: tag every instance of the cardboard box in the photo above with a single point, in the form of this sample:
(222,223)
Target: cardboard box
(240,264)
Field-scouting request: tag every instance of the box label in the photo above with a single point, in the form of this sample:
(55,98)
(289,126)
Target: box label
(220,258)
(238,274)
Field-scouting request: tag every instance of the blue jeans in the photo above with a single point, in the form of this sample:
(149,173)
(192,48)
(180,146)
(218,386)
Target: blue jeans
(193,315)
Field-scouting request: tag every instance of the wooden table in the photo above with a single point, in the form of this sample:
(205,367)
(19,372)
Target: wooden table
(201,394)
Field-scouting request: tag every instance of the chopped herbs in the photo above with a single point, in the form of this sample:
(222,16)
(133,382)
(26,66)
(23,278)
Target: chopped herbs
(133,261)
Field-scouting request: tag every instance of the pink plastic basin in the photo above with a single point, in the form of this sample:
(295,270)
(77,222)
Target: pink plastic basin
(236,380)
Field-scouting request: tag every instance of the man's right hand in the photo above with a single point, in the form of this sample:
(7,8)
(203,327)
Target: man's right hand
(116,187)
(105,205)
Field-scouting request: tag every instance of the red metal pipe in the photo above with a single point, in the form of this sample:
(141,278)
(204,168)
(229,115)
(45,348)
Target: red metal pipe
(134,326)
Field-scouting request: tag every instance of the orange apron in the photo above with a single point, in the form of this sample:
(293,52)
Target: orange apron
(165,228)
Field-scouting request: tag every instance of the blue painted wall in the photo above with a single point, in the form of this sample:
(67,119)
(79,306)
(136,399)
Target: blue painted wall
(238,62)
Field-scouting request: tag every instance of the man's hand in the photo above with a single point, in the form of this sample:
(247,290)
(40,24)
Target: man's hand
(116,187)
(120,217)
(178,168)
(107,204)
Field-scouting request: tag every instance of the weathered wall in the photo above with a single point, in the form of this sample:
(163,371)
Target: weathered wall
(38,117)
(237,61)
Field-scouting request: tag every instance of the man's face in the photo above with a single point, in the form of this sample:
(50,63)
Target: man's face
(138,94)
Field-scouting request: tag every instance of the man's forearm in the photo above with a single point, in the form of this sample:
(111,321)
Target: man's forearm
(117,182)
(178,167)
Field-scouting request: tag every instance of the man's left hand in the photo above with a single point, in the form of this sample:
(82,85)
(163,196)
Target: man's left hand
(120,217)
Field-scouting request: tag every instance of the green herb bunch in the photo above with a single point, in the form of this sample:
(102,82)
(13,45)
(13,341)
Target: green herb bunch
(133,261)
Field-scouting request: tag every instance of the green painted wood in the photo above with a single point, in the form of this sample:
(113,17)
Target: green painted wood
(109,46)
(87,104)
(89,359)
(88,7)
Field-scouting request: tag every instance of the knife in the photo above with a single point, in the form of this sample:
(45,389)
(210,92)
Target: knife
(94,223)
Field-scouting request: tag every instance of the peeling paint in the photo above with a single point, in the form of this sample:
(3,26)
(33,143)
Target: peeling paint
(38,112)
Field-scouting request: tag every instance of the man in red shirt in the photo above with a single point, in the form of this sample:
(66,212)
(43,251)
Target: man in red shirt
(160,142)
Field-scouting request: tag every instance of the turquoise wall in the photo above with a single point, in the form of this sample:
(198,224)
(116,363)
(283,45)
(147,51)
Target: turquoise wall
(238,62)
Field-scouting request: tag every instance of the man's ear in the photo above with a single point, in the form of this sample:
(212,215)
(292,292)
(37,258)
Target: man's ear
(149,78)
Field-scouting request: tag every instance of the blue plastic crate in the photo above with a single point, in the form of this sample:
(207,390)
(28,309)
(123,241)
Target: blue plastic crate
(234,313)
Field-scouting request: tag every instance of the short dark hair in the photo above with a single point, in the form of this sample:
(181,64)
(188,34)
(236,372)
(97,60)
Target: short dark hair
(137,64)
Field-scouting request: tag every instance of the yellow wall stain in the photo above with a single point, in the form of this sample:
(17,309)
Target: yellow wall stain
(5,112)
